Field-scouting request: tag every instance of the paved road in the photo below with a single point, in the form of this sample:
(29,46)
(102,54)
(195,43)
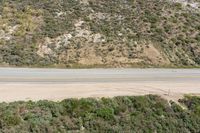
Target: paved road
(22,75)
(57,84)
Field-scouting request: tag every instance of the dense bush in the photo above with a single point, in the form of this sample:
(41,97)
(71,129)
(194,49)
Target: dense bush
(119,114)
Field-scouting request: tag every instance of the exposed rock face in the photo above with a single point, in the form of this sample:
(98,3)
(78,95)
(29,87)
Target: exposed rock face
(191,4)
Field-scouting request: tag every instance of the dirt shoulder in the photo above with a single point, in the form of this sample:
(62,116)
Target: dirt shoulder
(56,92)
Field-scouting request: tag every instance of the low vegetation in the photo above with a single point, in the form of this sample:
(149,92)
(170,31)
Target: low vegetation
(106,33)
(120,114)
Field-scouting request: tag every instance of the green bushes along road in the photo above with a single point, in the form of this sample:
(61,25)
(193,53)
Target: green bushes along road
(120,114)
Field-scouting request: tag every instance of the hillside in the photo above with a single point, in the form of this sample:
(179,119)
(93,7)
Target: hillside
(100,33)
(142,114)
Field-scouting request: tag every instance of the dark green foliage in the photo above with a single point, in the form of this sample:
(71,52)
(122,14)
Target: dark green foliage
(193,103)
(19,54)
(105,113)
(120,114)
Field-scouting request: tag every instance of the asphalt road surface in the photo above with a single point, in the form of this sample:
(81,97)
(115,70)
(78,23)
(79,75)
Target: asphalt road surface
(58,84)
(51,76)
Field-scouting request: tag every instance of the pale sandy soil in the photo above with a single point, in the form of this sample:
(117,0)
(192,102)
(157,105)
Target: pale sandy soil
(14,92)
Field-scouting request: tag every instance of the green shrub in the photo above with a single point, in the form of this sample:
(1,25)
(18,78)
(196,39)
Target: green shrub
(105,113)
(120,114)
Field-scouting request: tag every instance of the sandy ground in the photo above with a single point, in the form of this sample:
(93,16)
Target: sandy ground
(10,92)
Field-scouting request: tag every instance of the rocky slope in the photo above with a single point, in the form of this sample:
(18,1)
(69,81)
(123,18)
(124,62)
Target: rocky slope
(100,33)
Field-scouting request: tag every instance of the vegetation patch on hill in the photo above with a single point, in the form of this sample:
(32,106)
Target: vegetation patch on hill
(120,114)
(105,33)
